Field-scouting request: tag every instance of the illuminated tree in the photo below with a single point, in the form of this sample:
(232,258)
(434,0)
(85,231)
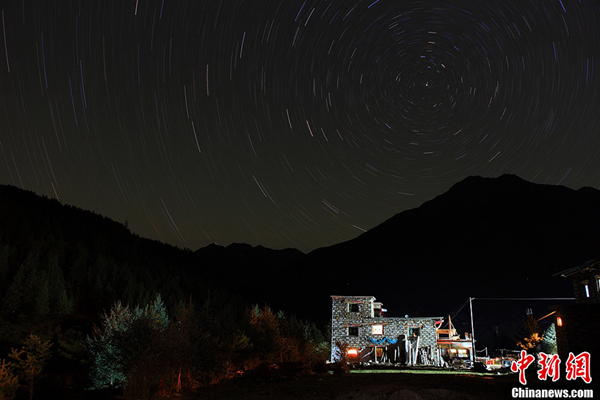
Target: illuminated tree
(341,351)
(530,335)
(265,334)
(9,382)
(31,359)
(107,363)
(548,345)
(127,344)
(275,338)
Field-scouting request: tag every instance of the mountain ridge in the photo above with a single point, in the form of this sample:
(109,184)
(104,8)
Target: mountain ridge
(484,237)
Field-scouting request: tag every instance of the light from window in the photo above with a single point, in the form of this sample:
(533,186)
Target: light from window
(353,352)
(377,329)
(587,290)
(559,321)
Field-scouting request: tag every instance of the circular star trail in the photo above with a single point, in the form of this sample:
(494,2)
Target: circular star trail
(291,123)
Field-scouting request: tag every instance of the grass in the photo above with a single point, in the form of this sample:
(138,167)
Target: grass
(421,371)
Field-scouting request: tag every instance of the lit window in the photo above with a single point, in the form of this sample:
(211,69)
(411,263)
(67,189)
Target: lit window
(352,352)
(586,288)
(598,283)
(353,331)
(559,321)
(377,329)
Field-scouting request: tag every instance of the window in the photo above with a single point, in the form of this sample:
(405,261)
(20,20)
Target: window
(415,332)
(586,290)
(598,284)
(377,329)
(353,331)
(353,307)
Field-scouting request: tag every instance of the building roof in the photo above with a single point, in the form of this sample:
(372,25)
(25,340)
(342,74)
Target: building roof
(586,266)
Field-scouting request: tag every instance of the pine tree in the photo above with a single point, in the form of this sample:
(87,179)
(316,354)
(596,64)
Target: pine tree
(265,334)
(5,253)
(530,334)
(56,280)
(42,294)
(107,364)
(125,347)
(548,345)
(99,279)
(31,359)
(64,304)
(9,382)
(14,298)
(130,288)
(156,312)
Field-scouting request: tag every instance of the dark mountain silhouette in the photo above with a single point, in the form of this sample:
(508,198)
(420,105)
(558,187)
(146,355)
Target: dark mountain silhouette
(484,238)
(60,267)
(50,248)
(260,275)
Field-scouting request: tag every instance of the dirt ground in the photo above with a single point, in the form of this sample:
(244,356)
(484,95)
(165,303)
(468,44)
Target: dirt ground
(386,385)
(362,385)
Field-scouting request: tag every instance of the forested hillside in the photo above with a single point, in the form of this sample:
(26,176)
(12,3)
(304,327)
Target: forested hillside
(64,270)
(57,259)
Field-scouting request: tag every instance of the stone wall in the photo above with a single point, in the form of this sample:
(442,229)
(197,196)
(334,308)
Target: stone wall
(343,319)
(579,331)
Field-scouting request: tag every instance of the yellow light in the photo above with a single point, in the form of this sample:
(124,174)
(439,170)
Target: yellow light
(352,352)
(559,321)
(377,329)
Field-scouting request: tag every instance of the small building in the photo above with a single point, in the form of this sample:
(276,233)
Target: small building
(360,328)
(577,325)
(453,349)
(586,281)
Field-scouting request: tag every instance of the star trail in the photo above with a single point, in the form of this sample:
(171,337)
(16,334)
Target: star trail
(291,123)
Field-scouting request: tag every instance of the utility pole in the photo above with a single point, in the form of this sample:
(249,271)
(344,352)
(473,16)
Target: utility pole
(472,331)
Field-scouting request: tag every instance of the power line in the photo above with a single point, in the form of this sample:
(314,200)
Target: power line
(523,298)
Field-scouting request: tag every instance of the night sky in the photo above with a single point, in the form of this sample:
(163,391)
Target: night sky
(291,123)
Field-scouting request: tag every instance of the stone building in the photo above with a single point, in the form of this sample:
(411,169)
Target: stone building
(360,328)
(586,281)
(577,325)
